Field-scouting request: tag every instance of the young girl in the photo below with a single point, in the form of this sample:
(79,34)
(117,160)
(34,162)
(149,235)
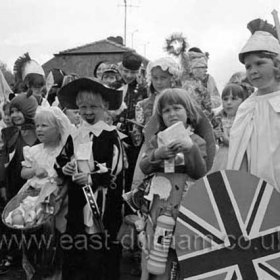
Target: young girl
(38,168)
(98,158)
(162,73)
(22,133)
(232,96)
(188,154)
(254,138)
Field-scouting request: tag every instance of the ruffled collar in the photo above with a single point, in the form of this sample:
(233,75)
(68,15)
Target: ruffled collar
(96,128)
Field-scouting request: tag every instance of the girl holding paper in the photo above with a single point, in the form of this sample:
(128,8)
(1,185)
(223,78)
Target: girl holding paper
(176,155)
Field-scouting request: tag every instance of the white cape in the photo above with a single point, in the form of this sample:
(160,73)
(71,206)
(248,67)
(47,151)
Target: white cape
(256,132)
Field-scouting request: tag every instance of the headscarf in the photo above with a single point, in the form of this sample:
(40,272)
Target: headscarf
(27,105)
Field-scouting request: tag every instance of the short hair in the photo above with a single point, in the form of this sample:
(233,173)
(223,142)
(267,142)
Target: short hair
(236,90)
(172,96)
(89,95)
(273,56)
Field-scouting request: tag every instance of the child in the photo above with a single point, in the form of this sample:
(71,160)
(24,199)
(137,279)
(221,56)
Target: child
(98,157)
(110,76)
(162,73)
(254,138)
(194,85)
(232,96)
(73,115)
(20,134)
(5,120)
(38,168)
(31,73)
(188,154)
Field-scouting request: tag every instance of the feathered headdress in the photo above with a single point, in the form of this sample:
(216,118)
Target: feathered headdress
(24,65)
(264,38)
(261,25)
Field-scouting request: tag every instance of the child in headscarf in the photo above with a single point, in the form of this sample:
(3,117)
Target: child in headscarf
(20,134)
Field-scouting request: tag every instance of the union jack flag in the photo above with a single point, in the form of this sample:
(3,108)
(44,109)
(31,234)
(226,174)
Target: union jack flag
(228,227)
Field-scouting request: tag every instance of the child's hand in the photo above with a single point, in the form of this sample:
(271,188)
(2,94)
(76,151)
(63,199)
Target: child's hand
(41,172)
(164,153)
(81,178)
(181,145)
(69,168)
(222,137)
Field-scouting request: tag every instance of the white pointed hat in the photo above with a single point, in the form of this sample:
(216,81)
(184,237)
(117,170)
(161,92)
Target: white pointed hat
(263,39)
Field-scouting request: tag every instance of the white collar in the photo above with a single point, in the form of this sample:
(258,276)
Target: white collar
(96,128)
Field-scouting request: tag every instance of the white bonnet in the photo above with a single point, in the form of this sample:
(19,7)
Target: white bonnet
(62,120)
(166,64)
(260,41)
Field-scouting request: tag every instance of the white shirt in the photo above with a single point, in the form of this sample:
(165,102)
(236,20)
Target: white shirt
(256,132)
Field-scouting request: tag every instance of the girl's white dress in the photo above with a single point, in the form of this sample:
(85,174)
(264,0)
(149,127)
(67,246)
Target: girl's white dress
(255,134)
(44,158)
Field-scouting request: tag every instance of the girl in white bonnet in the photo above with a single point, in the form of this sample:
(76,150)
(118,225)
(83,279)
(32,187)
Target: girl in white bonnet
(161,74)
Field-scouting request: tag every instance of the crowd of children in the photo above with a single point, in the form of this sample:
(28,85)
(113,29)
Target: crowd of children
(90,143)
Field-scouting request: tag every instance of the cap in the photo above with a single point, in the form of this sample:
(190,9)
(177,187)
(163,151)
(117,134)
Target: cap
(132,61)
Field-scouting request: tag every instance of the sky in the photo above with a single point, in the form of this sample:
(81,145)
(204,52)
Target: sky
(44,28)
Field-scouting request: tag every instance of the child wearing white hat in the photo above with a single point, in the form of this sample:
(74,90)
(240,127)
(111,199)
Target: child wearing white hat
(254,139)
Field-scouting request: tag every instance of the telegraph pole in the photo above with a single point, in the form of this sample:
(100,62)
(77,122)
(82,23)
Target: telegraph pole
(125,19)
(125,15)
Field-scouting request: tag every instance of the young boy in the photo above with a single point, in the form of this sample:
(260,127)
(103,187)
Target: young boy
(94,166)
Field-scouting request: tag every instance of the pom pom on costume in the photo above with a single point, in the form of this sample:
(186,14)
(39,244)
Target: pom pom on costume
(176,44)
